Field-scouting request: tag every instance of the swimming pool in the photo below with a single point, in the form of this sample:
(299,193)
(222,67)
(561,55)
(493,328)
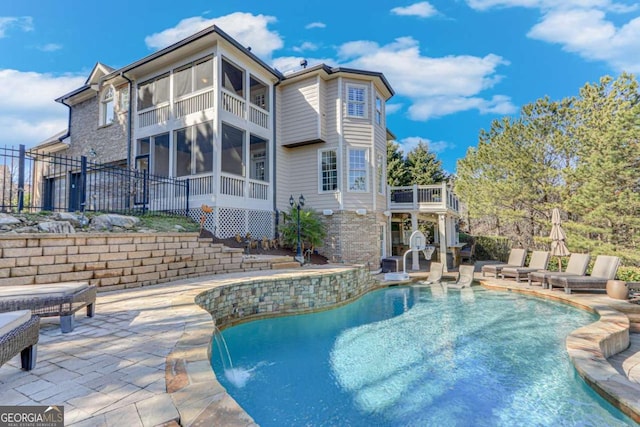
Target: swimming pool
(415,356)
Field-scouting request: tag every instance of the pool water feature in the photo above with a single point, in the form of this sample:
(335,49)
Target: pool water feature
(416,356)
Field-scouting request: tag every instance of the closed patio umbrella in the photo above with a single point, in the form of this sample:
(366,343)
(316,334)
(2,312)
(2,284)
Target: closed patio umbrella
(558,246)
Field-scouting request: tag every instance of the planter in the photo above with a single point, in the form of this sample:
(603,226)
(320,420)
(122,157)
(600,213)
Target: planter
(617,289)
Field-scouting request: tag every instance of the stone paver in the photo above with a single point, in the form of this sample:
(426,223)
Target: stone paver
(115,369)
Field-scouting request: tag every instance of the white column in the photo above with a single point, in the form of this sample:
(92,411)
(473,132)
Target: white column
(415,255)
(442,233)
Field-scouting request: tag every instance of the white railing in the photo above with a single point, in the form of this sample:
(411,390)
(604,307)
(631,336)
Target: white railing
(154,116)
(258,190)
(193,104)
(232,103)
(199,184)
(231,185)
(423,197)
(259,116)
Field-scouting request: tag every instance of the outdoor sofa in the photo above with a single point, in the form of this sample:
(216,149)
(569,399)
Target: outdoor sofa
(577,266)
(539,261)
(516,259)
(61,299)
(19,333)
(604,269)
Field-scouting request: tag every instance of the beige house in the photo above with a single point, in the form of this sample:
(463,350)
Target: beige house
(247,138)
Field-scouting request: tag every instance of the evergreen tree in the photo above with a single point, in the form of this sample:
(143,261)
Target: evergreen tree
(397,174)
(423,166)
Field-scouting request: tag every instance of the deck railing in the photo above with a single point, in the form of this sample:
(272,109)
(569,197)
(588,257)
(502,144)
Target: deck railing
(233,104)
(423,197)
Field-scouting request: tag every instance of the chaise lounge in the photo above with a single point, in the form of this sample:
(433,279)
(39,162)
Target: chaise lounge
(539,261)
(62,299)
(19,333)
(576,266)
(516,259)
(604,269)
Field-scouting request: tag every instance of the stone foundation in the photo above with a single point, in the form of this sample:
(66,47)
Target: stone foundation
(353,238)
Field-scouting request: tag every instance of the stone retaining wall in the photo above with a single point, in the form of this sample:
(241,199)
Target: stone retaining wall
(245,299)
(116,261)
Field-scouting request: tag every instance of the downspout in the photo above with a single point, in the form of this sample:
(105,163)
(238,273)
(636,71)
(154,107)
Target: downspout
(68,132)
(129,119)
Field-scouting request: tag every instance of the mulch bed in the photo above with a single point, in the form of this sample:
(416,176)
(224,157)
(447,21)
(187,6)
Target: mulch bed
(232,243)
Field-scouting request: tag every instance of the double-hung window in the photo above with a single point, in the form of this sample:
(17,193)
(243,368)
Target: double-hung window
(328,170)
(380,174)
(358,169)
(356,101)
(378,110)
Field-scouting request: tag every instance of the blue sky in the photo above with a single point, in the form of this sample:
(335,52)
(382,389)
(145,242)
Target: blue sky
(455,65)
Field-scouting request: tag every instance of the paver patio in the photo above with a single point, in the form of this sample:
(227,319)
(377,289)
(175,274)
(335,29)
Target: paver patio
(110,371)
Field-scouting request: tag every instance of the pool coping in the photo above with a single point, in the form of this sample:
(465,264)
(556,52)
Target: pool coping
(201,400)
(589,347)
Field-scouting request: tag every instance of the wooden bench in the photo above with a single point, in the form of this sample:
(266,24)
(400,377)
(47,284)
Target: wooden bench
(61,299)
(19,333)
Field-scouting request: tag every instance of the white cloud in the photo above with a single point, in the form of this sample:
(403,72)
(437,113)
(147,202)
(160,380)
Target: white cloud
(24,23)
(306,46)
(392,108)
(436,86)
(422,9)
(28,112)
(50,47)
(411,142)
(315,25)
(583,27)
(247,29)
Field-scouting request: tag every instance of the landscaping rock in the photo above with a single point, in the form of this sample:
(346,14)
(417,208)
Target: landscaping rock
(77,220)
(6,219)
(108,221)
(60,227)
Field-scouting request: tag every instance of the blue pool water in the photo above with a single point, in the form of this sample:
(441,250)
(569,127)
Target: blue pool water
(415,357)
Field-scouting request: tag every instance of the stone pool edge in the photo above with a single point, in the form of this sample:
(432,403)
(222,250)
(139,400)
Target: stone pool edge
(191,383)
(589,347)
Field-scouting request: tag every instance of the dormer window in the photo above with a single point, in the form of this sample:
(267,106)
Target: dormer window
(107,107)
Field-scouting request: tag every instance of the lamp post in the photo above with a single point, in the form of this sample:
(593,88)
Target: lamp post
(298,206)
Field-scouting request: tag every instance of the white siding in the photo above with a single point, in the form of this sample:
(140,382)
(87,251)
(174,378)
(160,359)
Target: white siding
(300,108)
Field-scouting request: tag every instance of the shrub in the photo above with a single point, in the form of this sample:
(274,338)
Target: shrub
(312,229)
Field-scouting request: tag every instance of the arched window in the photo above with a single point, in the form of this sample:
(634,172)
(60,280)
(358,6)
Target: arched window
(107,107)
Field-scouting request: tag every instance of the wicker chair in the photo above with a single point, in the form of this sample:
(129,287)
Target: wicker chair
(62,299)
(539,261)
(19,333)
(604,269)
(516,259)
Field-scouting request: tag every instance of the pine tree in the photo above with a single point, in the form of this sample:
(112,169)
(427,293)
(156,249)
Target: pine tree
(397,174)
(423,166)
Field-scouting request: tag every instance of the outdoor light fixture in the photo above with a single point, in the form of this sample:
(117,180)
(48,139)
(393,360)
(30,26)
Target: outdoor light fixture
(327,212)
(298,206)
(361,211)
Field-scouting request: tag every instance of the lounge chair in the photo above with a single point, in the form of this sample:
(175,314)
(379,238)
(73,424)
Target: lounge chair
(539,261)
(604,269)
(62,299)
(577,266)
(465,277)
(516,259)
(19,333)
(435,273)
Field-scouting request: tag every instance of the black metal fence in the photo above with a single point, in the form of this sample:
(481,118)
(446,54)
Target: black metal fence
(35,181)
